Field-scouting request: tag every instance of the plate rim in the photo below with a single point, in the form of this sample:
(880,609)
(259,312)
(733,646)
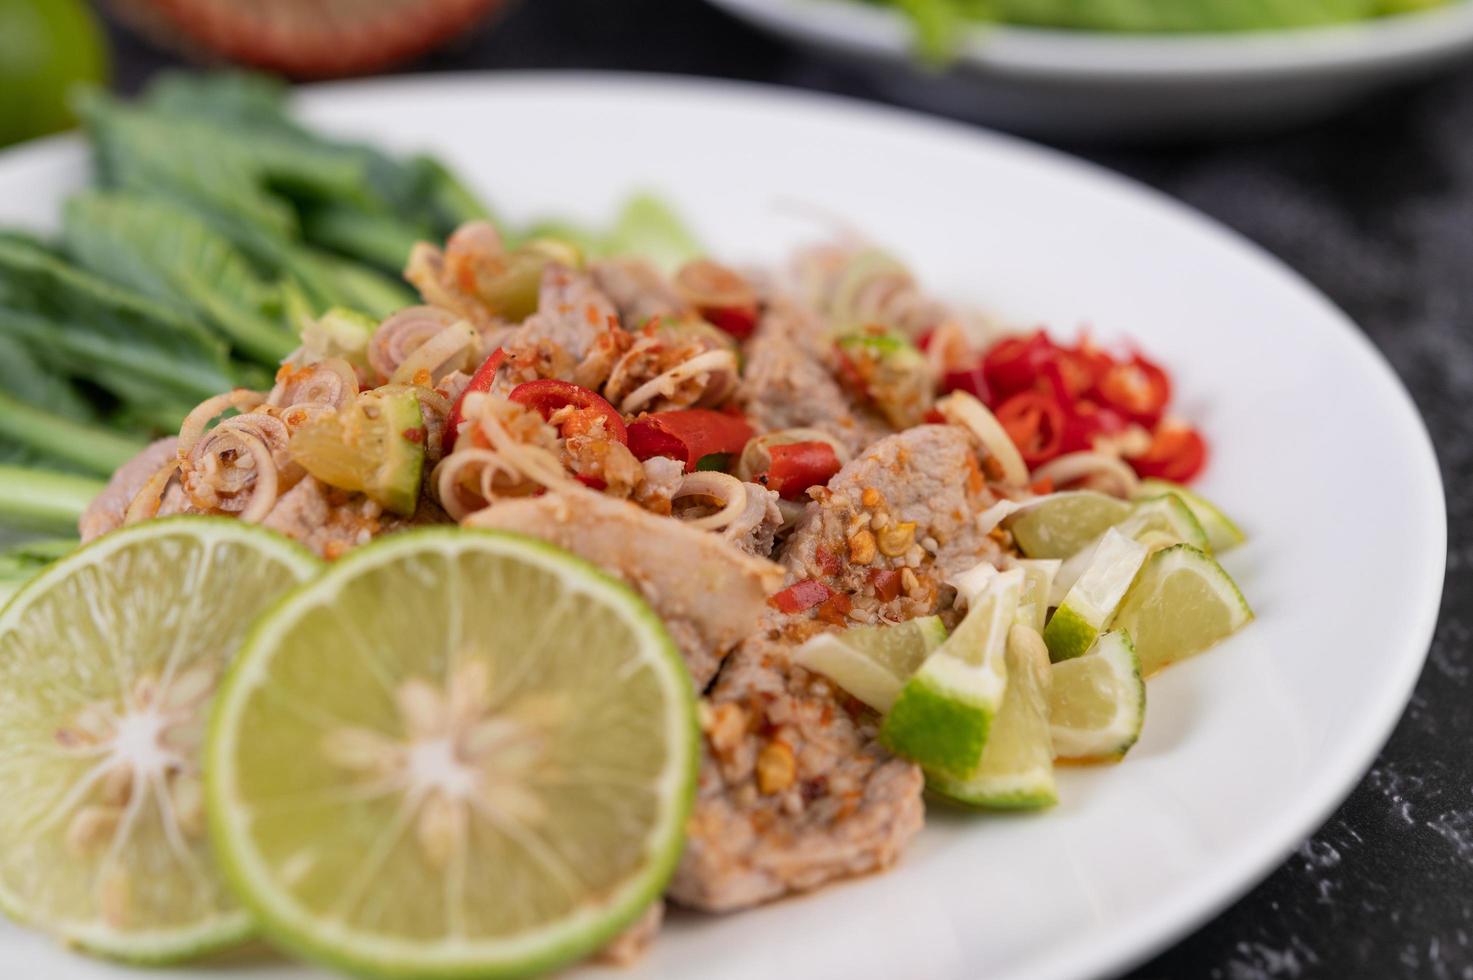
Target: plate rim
(1403,41)
(1208,895)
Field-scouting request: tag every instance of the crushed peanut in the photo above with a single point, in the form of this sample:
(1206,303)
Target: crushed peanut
(728,724)
(871,497)
(910,583)
(897,539)
(776,768)
(862,547)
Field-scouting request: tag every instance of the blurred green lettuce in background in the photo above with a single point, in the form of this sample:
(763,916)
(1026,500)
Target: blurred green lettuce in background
(939,24)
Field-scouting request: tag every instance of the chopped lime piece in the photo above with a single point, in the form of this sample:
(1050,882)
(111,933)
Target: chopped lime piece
(1156,523)
(1017,767)
(943,713)
(374,445)
(457,753)
(1164,521)
(1063,524)
(1098,701)
(873,663)
(1222,533)
(108,662)
(1091,601)
(1182,603)
(340,332)
(1038,582)
(971,583)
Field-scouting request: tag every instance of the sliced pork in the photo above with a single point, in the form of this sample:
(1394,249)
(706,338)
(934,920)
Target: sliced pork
(708,592)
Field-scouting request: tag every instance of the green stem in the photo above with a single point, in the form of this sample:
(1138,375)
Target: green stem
(22,562)
(94,449)
(42,500)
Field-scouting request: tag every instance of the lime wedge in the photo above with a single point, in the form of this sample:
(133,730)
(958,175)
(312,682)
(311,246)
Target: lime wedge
(1097,703)
(1017,767)
(873,663)
(457,753)
(1063,524)
(1156,523)
(1038,583)
(108,662)
(1222,533)
(1164,521)
(1182,603)
(1091,601)
(942,716)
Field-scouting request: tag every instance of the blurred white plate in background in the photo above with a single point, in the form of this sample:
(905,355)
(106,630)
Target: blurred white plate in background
(1317,451)
(1098,85)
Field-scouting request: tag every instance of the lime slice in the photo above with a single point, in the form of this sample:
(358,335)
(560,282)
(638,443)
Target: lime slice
(1091,601)
(1038,583)
(457,753)
(1182,603)
(1097,703)
(1017,767)
(108,661)
(1063,524)
(943,713)
(1222,533)
(873,663)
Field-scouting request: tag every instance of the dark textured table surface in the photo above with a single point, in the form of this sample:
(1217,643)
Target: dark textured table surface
(1376,209)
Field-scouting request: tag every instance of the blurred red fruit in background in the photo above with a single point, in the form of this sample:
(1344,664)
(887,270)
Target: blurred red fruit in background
(307,38)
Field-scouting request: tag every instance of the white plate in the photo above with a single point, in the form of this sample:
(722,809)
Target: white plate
(1091,84)
(1316,449)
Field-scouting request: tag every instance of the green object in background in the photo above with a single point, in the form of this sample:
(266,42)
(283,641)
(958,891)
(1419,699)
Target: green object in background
(46,46)
(939,25)
(44,500)
(20,563)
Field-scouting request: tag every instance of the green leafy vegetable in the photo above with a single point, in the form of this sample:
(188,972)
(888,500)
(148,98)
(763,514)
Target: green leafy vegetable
(331,281)
(81,325)
(163,250)
(378,239)
(240,98)
(451,202)
(24,377)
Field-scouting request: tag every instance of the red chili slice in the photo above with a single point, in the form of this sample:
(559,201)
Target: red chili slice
(1014,364)
(1137,388)
(826,560)
(972,380)
(1177,453)
(687,435)
(886,583)
(1085,422)
(547,396)
(800,596)
(721,296)
(480,381)
(797,466)
(1035,422)
(835,609)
